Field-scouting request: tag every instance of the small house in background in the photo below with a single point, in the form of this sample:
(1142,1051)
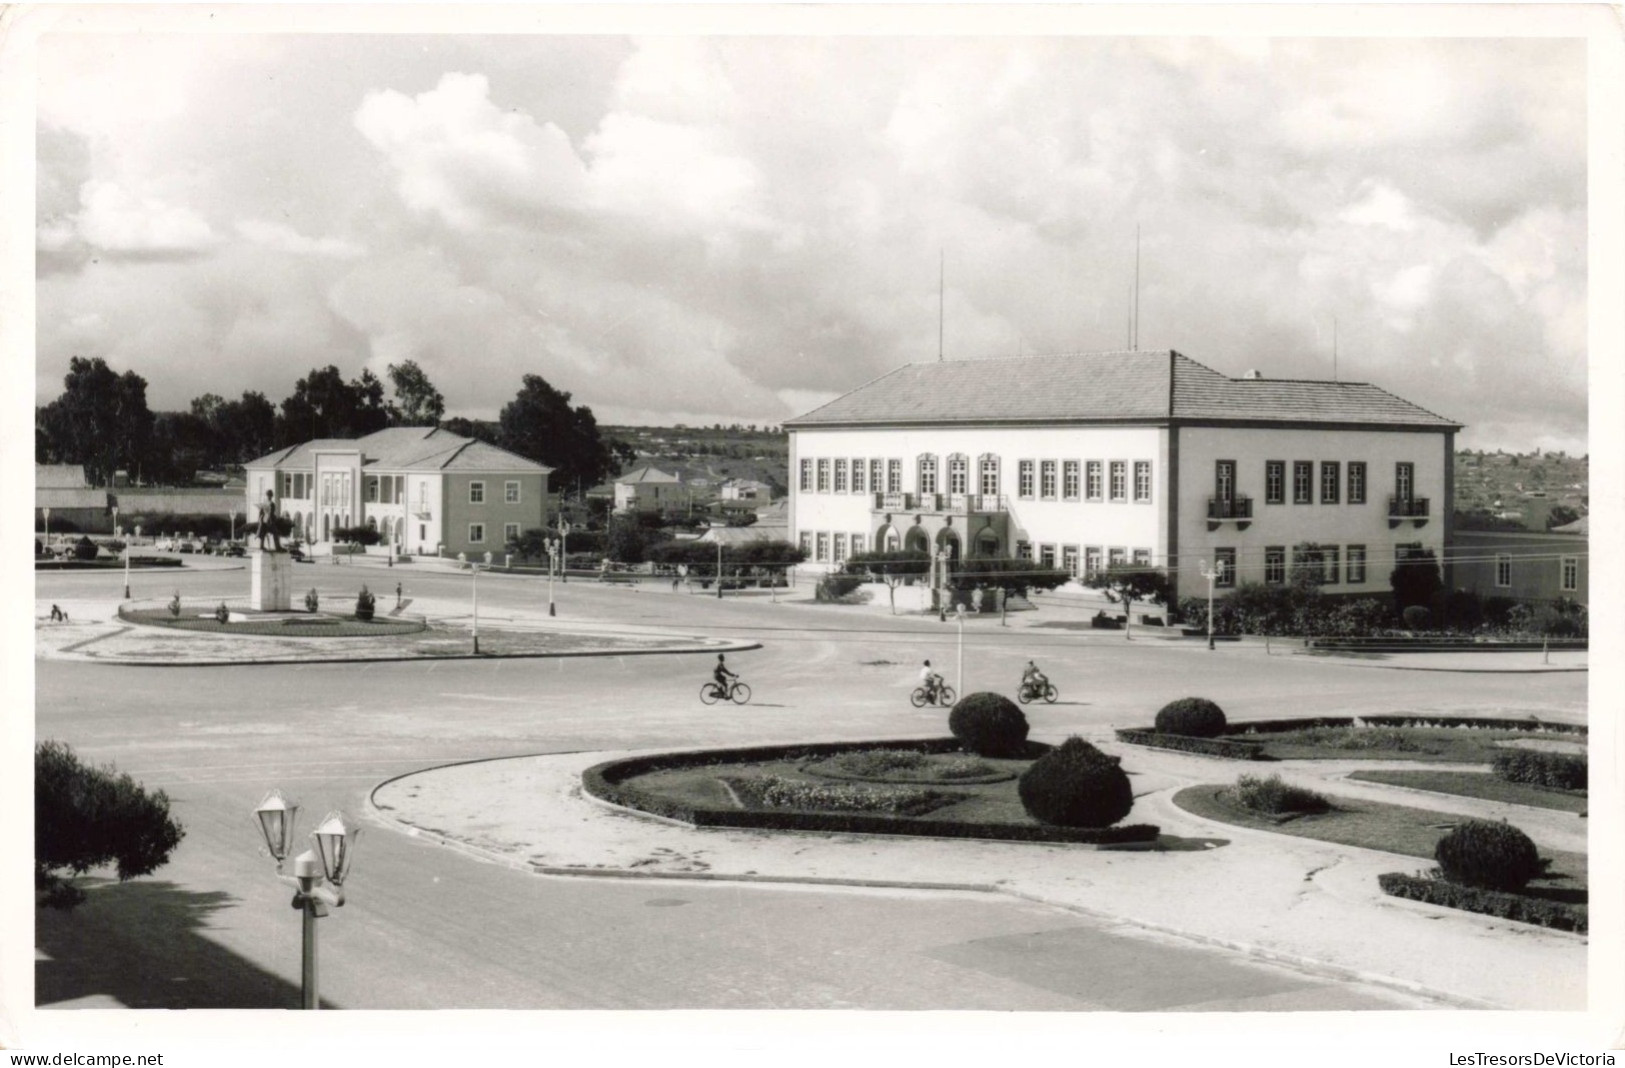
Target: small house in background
(1525,565)
(744,489)
(649,489)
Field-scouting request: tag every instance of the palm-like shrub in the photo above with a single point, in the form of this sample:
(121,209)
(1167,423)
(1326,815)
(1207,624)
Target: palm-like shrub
(1494,856)
(989,724)
(1076,785)
(1194,717)
(364,604)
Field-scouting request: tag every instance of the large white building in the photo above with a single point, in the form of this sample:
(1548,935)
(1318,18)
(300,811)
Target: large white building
(1084,460)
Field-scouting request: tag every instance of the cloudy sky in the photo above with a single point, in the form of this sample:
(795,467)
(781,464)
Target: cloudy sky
(738,228)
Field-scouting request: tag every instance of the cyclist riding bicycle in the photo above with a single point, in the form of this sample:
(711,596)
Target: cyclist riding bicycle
(721,674)
(930,680)
(1032,677)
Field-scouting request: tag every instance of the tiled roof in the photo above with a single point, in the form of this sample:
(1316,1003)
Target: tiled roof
(409,448)
(1106,387)
(646,474)
(60,476)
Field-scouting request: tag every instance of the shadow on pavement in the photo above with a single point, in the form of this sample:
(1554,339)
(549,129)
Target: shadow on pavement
(1174,844)
(140,944)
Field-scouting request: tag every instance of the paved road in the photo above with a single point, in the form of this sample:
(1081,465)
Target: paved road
(430,928)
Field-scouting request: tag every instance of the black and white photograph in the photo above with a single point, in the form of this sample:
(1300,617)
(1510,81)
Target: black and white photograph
(899,534)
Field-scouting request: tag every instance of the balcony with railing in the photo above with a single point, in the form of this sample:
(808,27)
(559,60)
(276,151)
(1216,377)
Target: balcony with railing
(1401,509)
(1237,509)
(942,503)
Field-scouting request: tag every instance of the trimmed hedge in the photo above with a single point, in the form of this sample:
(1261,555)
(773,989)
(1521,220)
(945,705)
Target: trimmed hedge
(609,782)
(1558,771)
(989,725)
(1490,855)
(1557,915)
(1193,717)
(1219,747)
(1076,785)
(1272,726)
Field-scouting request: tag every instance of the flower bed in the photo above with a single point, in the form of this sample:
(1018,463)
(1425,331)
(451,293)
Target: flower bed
(198,617)
(703,789)
(907,765)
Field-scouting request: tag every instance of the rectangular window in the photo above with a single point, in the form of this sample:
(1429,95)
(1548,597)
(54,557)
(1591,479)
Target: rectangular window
(1224,480)
(958,474)
(1303,476)
(894,476)
(1331,479)
(840,548)
(928,474)
(1046,481)
(1024,479)
(1503,570)
(823,547)
(857,476)
(1356,562)
(858,542)
(510,533)
(1024,550)
(1046,556)
(1274,481)
(1142,558)
(1404,481)
(806,476)
(1331,567)
(806,543)
(840,476)
(423,532)
(1119,480)
(1275,564)
(372,489)
(1069,480)
(1356,481)
(1142,481)
(1069,559)
(1092,479)
(510,491)
(476,533)
(877,476)
(1224,568)
(1116,557)
(990,476)
(1091,560)
(823,476)
(476,493)
(1571,574)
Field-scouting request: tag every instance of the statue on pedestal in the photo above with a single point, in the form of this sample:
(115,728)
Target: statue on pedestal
(268,522)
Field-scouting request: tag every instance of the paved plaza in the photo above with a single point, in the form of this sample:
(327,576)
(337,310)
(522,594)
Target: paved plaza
(497,885)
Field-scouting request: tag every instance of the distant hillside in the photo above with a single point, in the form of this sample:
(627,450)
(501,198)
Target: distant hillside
(715,453)
(1513,489)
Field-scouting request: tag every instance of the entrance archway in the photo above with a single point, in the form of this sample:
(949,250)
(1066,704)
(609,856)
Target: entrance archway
(949,540)
(987,543)
(917,540)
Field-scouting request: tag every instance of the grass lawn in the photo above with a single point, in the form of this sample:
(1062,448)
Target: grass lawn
(1411,832)
(1479,784)
(1455,745)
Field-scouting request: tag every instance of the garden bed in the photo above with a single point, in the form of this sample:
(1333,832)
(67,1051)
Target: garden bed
(773,788)
(200,618)
(1438,739)
(1478,784)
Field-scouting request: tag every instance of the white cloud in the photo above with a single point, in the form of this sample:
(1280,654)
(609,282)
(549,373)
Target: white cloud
(284,238)
(112,218)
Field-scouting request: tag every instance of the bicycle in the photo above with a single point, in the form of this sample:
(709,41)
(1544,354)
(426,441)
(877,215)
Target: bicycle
(922,697)
(1030,692)
(737,692)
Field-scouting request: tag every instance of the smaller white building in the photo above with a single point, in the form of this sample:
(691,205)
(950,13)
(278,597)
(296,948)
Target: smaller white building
(649,489)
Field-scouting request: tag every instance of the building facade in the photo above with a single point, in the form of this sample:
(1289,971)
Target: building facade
(1523,565)
(424,490)
(648,489)
(1141,458)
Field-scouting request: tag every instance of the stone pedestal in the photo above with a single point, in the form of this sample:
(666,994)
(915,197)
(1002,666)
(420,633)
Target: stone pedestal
(270,587)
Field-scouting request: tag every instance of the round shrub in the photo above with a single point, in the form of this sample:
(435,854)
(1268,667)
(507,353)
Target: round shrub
(1194,717)
(989,725)
(84,549)
(1076,785)
(1494,856)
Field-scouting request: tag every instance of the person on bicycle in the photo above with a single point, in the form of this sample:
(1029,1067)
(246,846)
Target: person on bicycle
(930,680)
(722,675)
(1032,679)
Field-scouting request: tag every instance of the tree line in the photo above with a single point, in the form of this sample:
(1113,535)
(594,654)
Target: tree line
(102,421)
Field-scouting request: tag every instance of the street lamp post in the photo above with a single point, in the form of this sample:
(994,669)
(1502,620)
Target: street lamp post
(318,874)
(564,549)
(47,512)
(1210,574)
(552,565)
(127,550)
(719,570)
(959,613)
(475,570)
